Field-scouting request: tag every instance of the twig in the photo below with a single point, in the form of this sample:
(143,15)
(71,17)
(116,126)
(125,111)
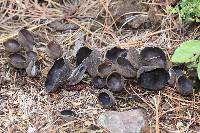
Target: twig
(157,102)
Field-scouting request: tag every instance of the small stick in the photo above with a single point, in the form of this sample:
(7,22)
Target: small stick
(157,102)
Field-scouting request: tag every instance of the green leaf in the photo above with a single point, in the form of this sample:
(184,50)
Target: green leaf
(198,70)
(188,51)
(188,10)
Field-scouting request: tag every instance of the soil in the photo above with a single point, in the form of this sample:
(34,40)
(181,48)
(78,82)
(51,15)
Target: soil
(25,105)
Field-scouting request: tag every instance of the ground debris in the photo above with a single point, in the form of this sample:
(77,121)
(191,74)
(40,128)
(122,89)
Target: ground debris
(62,26)
(134,13)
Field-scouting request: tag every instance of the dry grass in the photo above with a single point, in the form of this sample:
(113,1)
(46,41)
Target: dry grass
(25,104)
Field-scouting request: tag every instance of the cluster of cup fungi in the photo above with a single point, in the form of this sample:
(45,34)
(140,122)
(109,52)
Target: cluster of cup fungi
(22,52)
(109,72)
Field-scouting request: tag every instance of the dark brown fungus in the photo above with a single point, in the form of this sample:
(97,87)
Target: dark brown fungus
(32,69)
(192,72)
(153,56)
(18,61)
(26,39)
(105,68)
(92,62)
(114,53)
(68,115)
(99,82)
(82,54)
(115,82)
(152,78)
(31,55)
(12,46)
(58,74)
(124,67)
(134,57)
(174,74)
(106,98)
(184,86)
(68,112)
(54,50)
(77,74)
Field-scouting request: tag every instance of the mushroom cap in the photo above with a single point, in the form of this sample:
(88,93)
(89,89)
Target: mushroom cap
(153,56)
(68,112)
(192,72)
(115,82)
(105,68)
(152,78)
(12,46)
(18,61)
(92,62)
(77,74)
(58,74)
(124,67)
(114,53)
(68,115)
(31,55)
(99,82)
(174,74)
(54,50)
(184,86)
(82,54)
(134,57)
(26,39)
(32,69)
(106,98)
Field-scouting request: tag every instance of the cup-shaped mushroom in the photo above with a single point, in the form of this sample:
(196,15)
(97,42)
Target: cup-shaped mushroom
(174,74)
(115,82)
(134,57)
(105,68)
(77,74)
(184,86)
(54,50)
(32,69)
(92,62)
(99,82)
(152,78)
(58,74)
(196,84)
(114,53)
(68,112)
(192,73)
(12,46)
(82,54)
(26,39)
(18,61)
(124,67)
(31,55)
(68,115)
(153,56)
(106,98)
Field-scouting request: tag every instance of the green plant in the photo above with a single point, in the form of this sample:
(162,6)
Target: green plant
(188,52)
(188,10)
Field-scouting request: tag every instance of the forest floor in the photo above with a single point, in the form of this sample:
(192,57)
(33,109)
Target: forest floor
(26,106)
